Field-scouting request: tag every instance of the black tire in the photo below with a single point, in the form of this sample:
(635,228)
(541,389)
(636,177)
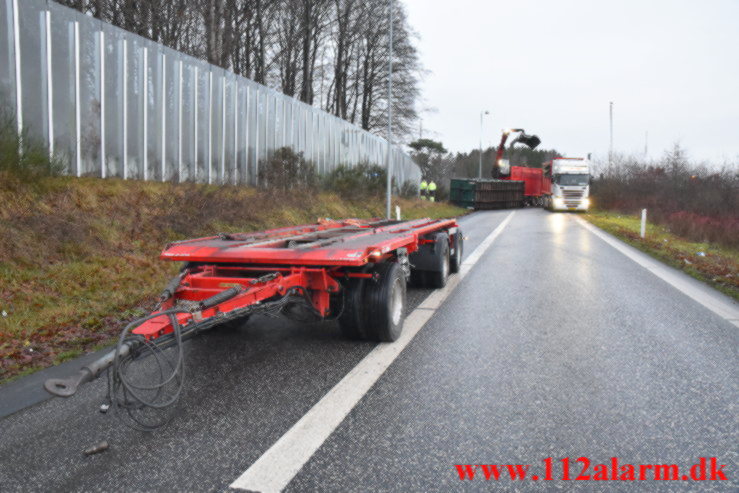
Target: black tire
(233,325)
(385,303)
(351,320)
(418,278)
(455,261)
(437,278)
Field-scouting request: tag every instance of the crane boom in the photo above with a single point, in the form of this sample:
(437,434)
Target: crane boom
(532,141)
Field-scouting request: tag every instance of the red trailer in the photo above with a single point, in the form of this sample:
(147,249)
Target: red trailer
(536,183)
(353,271)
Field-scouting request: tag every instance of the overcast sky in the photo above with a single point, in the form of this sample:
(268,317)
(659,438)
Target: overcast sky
(671,67)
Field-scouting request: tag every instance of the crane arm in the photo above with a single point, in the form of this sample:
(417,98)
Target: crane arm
(530,140)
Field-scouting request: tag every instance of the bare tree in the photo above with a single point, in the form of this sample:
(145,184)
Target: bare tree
(314,22)
(287,40)
(333,53)
(348,17)
(406,72)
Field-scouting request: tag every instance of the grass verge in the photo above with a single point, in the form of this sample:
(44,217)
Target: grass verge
(716,265)
(79,256)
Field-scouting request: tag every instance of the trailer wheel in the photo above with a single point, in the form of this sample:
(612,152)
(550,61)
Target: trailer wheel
(351,320)
(455,262)
(437,278)
(418,278)
(384,303)
(233,325)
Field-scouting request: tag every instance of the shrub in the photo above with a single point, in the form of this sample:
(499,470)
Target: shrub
(442,194)
(693,201)
(358,182)
(707,229)
(408,190)
(287,170)
(22,158)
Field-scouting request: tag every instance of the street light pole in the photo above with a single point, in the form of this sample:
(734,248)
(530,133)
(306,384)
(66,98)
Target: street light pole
(388,193)
(479,169)
(646,143)
(610,148)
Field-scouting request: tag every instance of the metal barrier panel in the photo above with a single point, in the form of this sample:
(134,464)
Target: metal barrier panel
(132,109)
(61,60)
(7,56)
(113,104)
(32,66)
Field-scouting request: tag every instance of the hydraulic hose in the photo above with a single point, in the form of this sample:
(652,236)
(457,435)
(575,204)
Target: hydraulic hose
(139,401)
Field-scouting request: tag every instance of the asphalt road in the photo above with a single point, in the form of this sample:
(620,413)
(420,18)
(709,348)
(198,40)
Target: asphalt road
(554,345)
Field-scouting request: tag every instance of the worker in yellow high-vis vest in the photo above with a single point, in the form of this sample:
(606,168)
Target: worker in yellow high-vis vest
(432,191)
(424,189)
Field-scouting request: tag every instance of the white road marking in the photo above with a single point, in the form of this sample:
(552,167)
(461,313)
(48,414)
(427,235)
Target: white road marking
(714,301)
(279,465)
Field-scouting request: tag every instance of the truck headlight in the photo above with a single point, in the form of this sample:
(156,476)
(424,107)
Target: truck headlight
(558,202)
(586,202)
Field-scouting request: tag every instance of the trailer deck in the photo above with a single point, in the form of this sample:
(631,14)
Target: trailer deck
(350,243)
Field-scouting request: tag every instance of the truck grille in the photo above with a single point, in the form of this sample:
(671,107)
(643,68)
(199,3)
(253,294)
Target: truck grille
(572,198)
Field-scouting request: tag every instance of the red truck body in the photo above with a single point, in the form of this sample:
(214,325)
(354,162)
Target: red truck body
(535,183)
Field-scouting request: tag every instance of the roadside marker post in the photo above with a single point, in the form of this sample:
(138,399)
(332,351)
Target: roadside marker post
(643,222)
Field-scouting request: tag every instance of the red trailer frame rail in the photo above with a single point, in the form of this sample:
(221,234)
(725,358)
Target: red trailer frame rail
(350,243)
(353,270)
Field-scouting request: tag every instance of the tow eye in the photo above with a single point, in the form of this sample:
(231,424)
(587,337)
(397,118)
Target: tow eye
(66,387)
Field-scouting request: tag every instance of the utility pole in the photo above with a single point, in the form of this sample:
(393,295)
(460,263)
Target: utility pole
(479,169)
(388,193)
(610,149)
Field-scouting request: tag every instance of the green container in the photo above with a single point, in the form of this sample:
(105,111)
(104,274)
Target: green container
(462,192)
(475,193)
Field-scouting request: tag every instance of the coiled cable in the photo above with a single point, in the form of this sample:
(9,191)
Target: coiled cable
(147,407)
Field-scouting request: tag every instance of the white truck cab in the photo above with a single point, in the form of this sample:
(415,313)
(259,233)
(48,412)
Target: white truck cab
(570,184)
